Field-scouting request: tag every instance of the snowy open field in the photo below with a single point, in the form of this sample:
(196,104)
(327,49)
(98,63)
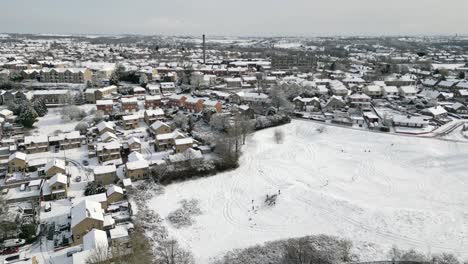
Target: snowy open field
(407,191)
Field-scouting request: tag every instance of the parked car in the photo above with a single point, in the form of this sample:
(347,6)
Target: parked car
(73,251)
(85,162)
(48,207)
(8,251)
(78,179)
(13,243)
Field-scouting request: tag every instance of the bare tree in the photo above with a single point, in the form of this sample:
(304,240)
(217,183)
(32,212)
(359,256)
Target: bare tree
(169,252)
(82,127)
(246,127)
(225,148)
(301,251)
(219,121)
(100,255)
(446,258)
(7,219)
(278,98)
(181,121)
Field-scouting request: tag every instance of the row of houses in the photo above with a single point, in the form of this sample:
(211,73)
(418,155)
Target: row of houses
(42,143)
(58,75)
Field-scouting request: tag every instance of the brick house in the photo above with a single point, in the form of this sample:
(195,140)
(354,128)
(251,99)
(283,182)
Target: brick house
(129,104)
(106,106)
(194,105)
(176,100)
(211,104)
(152,102)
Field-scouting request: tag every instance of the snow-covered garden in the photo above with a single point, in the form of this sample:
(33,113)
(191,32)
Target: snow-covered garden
(375,189)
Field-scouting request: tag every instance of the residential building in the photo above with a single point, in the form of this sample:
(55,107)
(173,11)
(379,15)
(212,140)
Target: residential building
(63,141)
(85,216)
(212,105)
(307,104)
(151,116)
(182,144)
(409,121)
(159,128)
(114,194)
(137,168)
(165,142)
(108,151)
(106,106)
(194,105)
(55,188)
(53,97)
(129,104)
(104,127)
(373,91)
(65,75)
(55,166)
(390,91)
(92,95)
(134,144)
(17,162)
(35,144)
(177,100)
(359,99)
(105,175)
(130,121)
(152,102)
(407,91)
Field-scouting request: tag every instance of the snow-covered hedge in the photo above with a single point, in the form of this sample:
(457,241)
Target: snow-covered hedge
(183,216)
(271,121)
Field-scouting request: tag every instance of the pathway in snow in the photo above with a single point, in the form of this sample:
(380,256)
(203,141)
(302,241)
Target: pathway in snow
(364,186)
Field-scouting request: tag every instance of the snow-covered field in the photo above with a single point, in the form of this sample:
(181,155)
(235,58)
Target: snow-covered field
(52,122)
(368,187)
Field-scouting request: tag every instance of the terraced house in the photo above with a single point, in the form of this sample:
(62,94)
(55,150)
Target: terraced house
(53,97)
(65,75)
(129,104)
(152,102)
(106,106)
(165,142)
(108,151)
(92,95)
(66,140)
(36,144)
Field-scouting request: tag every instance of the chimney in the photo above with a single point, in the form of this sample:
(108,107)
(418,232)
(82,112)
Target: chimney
(204,50)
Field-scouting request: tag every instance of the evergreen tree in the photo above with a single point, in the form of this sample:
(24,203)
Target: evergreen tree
(28,116)
(461,75)
(40,106)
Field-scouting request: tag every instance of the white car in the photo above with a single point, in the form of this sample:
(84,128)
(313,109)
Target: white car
(13,243)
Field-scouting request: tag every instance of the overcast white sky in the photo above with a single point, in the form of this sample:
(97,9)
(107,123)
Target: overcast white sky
(236,17)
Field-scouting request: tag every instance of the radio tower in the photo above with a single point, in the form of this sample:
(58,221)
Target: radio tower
(204,50)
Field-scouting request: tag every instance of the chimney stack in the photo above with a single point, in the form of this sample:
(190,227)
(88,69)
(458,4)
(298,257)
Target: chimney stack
(204,50)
